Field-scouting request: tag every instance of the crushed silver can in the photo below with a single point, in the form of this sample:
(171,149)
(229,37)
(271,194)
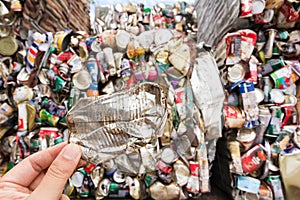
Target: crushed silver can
(137,112)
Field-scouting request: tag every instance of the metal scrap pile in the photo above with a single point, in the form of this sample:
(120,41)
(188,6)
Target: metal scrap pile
(144,99)
(132,94)
(259,66)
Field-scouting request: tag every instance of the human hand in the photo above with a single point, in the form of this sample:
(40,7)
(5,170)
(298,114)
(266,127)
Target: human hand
(42,175)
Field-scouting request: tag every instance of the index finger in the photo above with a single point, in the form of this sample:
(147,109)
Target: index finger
(28,169)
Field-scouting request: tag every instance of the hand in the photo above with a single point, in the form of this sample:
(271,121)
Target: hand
(42,175)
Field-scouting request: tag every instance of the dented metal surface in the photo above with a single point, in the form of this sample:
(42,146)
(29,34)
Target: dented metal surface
(107,125)
(215,18)
(208,93)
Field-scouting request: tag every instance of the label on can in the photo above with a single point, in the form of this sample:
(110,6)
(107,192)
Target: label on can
(284,77)
(254,158)
(275,123)
(234,117)
(277,187)
(248,184)
(193,184)
(164,167)
(290,115)
(51,131)
(182,173)
(246,6)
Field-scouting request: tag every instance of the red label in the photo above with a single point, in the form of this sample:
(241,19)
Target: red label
(21,124)
(194,168)
(253,159)
(231,112)
(53,132)
(164,167)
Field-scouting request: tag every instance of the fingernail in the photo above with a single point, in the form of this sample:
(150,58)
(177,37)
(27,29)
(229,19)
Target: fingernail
(71,151)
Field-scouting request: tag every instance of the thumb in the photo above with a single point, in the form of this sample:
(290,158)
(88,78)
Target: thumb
(52,185)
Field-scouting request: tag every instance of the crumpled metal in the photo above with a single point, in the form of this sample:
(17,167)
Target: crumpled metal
(215,19)
(106,126)
(208,93)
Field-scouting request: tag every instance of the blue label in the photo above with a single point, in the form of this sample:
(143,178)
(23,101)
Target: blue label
(248,184)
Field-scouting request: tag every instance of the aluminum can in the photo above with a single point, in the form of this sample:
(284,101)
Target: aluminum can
(234,117)
(254,158)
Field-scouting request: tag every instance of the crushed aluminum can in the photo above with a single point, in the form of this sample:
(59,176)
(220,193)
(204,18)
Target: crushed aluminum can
(97,175)
(246,137)
(77,179)
(110,167)
(290,115)
(182,173)
(6,109)
(134,188)
(276,186)
(167,192)
(123,121)
(122,39)
(265,191)
(118,190)
(22,117)
(109,58)
(193,181)
(91,65)
(164,167)
(23,93)
(181,58)
(277,96)
(273,4)
(103,189)
(284,77)
(169,155)
(8,46)
(268,51)
(51,119)
(265,17)
(119,177)
(234,149)
(258,6)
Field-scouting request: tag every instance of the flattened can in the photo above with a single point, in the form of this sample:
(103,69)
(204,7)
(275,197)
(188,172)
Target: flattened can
(193,184)
(275,123)
(182,173)
(253,159)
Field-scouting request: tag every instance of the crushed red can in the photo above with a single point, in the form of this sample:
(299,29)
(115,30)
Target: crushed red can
(164,167)
(254,158)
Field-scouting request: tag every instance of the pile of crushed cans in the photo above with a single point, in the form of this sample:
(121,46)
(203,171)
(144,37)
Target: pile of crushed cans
(121,95)
(145,102)
(259,67)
